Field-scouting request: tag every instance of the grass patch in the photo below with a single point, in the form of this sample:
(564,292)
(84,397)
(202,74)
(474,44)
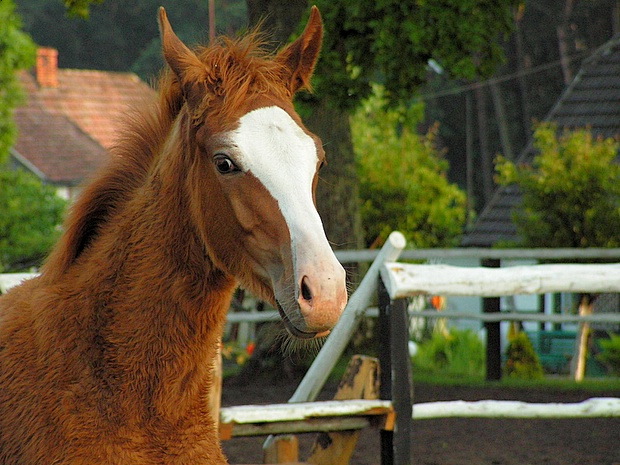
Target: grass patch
(609,384)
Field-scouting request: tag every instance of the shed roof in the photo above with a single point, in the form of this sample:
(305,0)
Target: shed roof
(592,100)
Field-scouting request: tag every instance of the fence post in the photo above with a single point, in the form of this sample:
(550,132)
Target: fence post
(396,382)
(494,348)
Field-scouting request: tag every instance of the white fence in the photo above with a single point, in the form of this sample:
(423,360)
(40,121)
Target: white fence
(405,280)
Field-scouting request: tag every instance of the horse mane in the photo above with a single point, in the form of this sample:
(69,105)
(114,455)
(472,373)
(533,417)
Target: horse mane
(237,68)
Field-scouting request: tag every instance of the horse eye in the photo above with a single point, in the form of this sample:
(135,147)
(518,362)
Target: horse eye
(224,164)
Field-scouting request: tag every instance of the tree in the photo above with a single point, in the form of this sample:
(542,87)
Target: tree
(389,42)
(17,52)
(30,219)
(29,212)
(571,192)
(402,177)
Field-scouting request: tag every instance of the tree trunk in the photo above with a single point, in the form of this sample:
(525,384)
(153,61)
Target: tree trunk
(522,66)
(578,365)
(562,32)
(502,122)
(483,138)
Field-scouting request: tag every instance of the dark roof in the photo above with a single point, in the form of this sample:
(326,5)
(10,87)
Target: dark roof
(592,100)
(65,131)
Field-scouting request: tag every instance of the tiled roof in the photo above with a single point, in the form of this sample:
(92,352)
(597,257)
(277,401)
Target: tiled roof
(592,100)
(65,130)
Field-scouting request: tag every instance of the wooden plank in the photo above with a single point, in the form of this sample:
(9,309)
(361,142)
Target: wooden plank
(360,381)
(592,253)
(9,280)
(281,449)
(273,413)
(311,425)
(601,407)
(403,280)
(306,417)
(522,316)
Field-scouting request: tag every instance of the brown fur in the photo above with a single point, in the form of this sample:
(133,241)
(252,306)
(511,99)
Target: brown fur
(105,358)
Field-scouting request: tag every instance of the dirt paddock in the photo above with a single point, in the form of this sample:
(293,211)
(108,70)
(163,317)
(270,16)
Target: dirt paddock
(460,441)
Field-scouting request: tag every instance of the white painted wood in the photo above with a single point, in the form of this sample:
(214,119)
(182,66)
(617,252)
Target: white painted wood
(9,280)
(518,316)
(591,408)
(339,337)
(564,254)
(403,280)
(272,413)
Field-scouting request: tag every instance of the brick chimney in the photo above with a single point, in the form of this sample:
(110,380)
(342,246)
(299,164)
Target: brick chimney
(47,67)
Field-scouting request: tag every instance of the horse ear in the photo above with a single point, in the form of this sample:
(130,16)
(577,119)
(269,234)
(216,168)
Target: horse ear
(299,58)
(188,69)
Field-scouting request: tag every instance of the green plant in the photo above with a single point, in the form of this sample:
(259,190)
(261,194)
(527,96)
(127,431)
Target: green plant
(403,181)
(570,192)
(30,216)
(458,353)
(610,355)
(522,361)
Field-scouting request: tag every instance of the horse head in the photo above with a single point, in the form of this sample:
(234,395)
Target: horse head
(253,172)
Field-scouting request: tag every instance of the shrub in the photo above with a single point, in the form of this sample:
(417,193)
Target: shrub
(459,353)
(610,355)
(522,361)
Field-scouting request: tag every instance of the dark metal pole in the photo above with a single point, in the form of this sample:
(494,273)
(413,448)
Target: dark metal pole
(402,386)
(396,380)
(494,350)
(385,363)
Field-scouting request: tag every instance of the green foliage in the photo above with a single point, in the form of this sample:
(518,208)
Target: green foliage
(610,355)
(29,221)
(459,354)
(403,184)
(571,193)
(392,41)
(522,361)
(80,8)
(17,52)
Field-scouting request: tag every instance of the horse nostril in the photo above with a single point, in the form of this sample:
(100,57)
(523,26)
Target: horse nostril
(306,293)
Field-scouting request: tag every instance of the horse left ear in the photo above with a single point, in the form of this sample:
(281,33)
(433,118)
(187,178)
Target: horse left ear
(299,58)
(188,69)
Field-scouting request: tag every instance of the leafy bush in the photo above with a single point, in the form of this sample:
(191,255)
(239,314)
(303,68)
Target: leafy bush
(610,355)
(459,353)
(571,191)
(403,180)
(522,361)
(31,213)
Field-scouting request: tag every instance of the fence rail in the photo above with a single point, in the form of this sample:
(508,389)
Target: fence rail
(404,280)
(597,407)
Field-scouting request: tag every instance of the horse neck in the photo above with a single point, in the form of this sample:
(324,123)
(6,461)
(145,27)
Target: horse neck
(160,302)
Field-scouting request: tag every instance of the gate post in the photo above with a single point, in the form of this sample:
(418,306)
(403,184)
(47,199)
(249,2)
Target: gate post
(396,381)
(494,349)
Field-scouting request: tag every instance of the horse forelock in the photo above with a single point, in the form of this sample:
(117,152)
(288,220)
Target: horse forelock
(236,70)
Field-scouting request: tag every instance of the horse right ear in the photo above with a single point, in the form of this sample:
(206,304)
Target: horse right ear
(299,58)
(188,69)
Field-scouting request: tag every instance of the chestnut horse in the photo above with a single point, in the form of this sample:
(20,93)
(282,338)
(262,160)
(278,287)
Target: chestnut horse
(105,357)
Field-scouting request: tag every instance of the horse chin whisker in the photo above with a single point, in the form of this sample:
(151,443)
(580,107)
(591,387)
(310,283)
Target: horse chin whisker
(296,348)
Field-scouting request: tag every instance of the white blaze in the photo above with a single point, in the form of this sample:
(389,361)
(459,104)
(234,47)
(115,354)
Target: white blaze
(275,149)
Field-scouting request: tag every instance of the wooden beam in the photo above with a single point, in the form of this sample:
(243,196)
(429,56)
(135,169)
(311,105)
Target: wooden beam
(360,381)
(256,420)
(405,280)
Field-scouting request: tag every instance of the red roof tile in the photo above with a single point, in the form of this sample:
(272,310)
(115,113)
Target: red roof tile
(65,130)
